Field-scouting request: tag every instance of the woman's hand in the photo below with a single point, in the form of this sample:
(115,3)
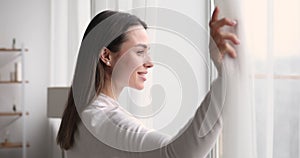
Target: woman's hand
(221,41)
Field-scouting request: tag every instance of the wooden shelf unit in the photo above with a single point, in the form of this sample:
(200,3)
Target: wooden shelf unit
(7,55)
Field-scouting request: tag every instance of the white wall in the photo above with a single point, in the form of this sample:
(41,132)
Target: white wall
(29,22)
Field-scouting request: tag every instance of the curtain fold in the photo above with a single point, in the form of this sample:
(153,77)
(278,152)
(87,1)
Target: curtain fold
(69,19)
(238,139)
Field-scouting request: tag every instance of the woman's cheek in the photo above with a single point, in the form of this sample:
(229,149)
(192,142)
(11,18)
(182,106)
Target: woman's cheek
(125,69)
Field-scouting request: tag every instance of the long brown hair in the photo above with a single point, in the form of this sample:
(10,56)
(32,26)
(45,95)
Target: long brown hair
(70,119)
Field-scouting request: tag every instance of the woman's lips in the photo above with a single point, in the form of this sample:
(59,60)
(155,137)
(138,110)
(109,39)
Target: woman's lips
(142,75)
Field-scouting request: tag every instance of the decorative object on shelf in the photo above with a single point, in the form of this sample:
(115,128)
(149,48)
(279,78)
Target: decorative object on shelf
(19,68)
(6,136)
(18,72)
(14,76)
(14,108)
(14,43)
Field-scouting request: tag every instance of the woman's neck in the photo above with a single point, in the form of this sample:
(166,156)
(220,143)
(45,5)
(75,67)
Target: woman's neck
(111,90)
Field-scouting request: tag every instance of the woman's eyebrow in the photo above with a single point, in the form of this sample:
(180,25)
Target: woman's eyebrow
(142,45)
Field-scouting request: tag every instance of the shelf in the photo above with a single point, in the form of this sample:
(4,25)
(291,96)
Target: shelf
(12,113)
(12,145)
(10,57)
(12,82)
(3,50)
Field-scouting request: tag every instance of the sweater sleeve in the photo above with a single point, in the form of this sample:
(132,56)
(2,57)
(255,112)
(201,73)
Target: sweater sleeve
(198,137)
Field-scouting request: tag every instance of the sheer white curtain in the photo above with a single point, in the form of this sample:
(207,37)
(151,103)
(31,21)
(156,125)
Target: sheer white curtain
(238,135)
(271,38)
(69,18)
(277,79)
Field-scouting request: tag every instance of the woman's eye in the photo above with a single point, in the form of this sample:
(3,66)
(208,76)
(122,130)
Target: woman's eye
(140,52)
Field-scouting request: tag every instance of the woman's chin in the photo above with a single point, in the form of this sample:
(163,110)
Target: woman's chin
(138,87)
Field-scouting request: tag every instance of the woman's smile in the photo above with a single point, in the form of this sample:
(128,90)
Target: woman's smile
(142,75)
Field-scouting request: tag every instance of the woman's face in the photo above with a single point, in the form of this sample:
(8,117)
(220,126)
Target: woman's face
(132,62)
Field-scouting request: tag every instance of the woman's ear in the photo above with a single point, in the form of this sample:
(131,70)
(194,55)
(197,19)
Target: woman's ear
(105,56)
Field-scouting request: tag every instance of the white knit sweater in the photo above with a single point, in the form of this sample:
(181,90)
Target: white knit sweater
(109,131)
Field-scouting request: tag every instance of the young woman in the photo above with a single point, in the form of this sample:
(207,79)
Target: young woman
(113,55)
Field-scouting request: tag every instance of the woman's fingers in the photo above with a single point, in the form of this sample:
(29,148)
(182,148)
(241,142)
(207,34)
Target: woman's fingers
(228,49)
(215,15)
(230,36)
(220,23)
(223,38)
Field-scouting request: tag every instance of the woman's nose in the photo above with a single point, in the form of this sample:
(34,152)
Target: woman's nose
(148,62)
